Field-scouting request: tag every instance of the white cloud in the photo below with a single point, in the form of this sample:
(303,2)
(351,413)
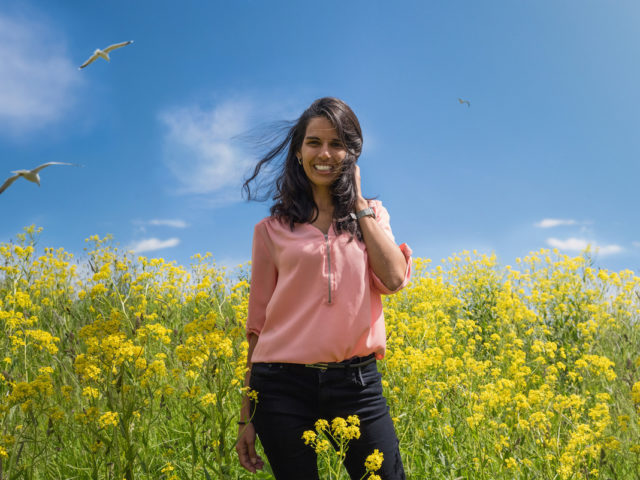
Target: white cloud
(37,78)
(151,244)
(609,249)
(169,223)
(579,244)
(635,244)
(554,222)
(571,244)
(199,147)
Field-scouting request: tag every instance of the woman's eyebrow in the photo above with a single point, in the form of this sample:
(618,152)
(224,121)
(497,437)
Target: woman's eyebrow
(311,137)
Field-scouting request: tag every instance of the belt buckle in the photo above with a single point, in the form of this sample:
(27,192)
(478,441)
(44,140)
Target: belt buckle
(321,366)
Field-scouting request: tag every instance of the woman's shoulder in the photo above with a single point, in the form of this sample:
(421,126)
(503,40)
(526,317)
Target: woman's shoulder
(271,223)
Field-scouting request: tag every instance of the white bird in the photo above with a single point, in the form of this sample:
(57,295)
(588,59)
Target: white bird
(464,101)
(31,175)
(104,53)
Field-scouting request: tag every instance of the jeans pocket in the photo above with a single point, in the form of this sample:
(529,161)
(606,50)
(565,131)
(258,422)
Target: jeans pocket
(261,372)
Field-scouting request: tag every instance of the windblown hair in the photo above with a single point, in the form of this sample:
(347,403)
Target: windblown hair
(291,189)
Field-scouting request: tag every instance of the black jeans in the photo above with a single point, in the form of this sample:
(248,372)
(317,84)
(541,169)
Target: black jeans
(291,397)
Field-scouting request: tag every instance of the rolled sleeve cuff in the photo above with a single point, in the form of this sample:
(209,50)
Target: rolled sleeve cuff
(252,330)
(406,251)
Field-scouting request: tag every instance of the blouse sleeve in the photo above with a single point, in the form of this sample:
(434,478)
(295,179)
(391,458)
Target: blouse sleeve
(382,217)
(264,276)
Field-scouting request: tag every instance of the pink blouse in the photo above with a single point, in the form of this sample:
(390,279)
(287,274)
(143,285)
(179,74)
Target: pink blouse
(314,297)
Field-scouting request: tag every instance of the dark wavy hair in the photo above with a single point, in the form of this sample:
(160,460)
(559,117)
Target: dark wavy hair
(291,190)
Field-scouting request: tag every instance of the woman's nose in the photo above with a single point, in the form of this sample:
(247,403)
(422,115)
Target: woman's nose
(324,152)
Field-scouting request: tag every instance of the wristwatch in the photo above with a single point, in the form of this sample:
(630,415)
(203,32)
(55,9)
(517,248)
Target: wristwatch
(367,212)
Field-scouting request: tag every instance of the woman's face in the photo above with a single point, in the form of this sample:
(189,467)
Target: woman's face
(322,152)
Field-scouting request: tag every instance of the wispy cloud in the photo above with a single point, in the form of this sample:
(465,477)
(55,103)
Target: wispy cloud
(169,223)
(199,149)
(150,244)
(37,78)
(579,244)
(554,222)
(636,244)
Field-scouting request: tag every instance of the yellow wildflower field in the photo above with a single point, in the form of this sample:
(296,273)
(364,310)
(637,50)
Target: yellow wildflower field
(117,366)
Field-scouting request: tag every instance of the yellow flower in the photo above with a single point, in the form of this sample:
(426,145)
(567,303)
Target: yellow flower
(309,437)
(511,463)
(252,394)
(208,399)
(342,430)
(635,392)
(374,461)
(108,419)
(90,392)
(321,425)
(322,446)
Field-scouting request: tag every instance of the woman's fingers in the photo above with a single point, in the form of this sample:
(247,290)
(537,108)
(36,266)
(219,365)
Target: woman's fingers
(243,456)
(246,449)
(357,180)
(254,458)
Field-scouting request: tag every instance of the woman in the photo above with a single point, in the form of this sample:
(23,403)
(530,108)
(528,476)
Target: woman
(315,325)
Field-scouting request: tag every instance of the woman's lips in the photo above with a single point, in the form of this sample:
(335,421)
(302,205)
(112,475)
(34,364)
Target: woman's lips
(323,168)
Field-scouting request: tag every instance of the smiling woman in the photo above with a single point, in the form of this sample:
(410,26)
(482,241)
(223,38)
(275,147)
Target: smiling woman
(315,324)
(330,125)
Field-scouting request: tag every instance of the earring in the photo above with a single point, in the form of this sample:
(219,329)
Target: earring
(300,161)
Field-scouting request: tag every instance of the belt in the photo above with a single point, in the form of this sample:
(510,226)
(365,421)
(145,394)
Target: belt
(351,363)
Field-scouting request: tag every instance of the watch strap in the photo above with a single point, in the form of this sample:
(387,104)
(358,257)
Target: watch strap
(367,212)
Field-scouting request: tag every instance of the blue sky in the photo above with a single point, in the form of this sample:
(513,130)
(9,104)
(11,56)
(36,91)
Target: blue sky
(547,154)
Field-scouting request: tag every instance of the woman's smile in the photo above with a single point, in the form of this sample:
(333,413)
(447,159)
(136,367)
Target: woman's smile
(323,168)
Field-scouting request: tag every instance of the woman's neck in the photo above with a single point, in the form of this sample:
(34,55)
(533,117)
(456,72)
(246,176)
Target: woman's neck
(323,200)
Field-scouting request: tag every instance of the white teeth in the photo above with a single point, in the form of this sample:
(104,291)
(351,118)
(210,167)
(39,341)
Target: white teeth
(324,168)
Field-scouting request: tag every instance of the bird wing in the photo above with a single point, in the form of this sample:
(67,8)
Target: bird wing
(45,165)
(8,182)
(116,45)
(91,59)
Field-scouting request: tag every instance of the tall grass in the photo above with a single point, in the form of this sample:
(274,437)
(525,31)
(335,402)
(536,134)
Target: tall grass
(134,368)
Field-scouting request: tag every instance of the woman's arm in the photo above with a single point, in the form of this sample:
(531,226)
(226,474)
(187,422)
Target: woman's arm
(245,410)
(385,258)
(246,443)
(263,280)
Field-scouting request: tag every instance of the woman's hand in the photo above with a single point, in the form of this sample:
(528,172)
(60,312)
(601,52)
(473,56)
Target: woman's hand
(361,203)
(246,448)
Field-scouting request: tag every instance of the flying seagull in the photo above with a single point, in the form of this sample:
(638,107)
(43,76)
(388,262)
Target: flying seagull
(104,53)
(31,175)
(464,101)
